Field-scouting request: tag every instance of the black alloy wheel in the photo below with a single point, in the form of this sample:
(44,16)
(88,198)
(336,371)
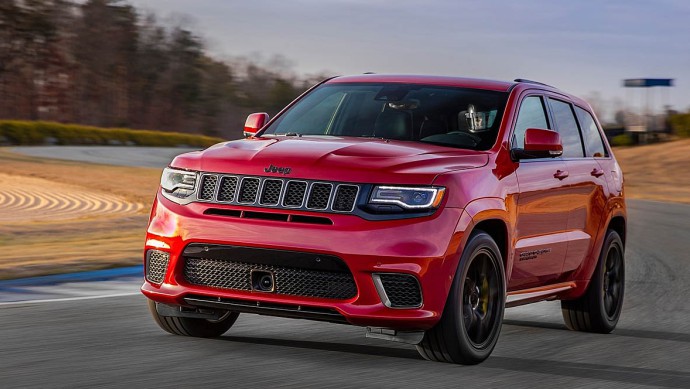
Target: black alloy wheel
(471,322)
(480,298)
(599,309)
(613,282)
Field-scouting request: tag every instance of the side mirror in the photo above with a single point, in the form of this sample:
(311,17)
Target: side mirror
(539,143)
(254,123)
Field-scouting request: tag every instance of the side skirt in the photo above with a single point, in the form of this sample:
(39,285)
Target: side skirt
(533,295)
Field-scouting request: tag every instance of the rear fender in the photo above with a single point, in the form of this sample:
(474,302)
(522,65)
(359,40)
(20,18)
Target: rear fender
(615,207)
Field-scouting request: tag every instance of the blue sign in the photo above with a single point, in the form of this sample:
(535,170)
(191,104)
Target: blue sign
(647,82)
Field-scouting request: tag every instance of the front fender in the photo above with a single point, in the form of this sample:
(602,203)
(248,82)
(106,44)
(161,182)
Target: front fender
(474,214)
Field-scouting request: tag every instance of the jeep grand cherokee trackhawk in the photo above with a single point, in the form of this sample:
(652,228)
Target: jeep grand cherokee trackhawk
(416,206)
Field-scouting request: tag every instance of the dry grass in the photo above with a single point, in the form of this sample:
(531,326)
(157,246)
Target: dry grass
(83,243)
(656,172)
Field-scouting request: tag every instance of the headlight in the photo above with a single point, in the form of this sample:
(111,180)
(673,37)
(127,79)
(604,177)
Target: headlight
(178,183)
(407,197)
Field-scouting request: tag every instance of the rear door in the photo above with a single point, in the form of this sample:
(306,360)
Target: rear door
(542,213)
(586,183)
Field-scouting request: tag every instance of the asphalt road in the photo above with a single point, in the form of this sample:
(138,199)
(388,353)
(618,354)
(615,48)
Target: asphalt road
(157,157)
(112,341)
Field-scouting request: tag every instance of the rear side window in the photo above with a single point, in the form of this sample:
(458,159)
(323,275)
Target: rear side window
(594,144)
(566,126)
(531,115)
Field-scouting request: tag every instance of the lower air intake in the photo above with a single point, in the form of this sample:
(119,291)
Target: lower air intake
(226,274)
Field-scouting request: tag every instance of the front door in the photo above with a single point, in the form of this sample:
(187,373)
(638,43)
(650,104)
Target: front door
(542,207)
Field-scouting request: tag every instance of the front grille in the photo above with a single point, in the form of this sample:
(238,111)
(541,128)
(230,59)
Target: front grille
(345,197)
(278,193)
(294,194)
(225,274)
(227,189)
(319,195)
(208,187)
(248,190)
(156,265)
(400,290)
(271,192)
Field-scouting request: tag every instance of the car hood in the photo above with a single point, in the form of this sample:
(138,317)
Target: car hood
(333,159)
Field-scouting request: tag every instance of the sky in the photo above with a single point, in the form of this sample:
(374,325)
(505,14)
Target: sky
(584,47)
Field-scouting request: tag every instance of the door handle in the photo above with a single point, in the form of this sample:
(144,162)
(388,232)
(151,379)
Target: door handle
(596,172)
(560,174)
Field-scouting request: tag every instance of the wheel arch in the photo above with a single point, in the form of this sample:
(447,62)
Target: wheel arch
(618,224)
(491,216)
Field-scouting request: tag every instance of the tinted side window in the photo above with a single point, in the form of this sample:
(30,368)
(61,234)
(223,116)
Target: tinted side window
(594,145)
(566,126)
(531,115)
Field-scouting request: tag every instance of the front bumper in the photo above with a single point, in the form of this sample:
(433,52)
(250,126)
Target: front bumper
(427,248)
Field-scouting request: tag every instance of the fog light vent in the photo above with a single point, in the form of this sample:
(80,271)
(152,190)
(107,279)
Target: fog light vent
(156,265)
(398,290)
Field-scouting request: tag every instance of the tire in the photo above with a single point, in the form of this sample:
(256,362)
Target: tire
(600,307)
(200,328)
(471,322)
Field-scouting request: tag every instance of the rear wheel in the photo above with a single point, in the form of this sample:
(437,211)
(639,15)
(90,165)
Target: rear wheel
(185,326)
(600,307)
(468,330)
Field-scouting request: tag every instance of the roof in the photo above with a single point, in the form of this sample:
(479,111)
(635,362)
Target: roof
(460,82)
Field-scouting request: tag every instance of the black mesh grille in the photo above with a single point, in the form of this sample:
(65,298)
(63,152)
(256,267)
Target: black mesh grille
(228,187)
(402,290)
(156,265)
(208,187)
(345,197)
(319,195)
(270,194)
(225,274)
(248,190)
(294,193)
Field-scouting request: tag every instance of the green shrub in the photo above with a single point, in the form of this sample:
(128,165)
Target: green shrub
(17,132)
(622,140)
(680,124)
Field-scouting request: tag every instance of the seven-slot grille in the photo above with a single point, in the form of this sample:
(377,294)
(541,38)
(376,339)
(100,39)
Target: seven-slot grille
(278,193)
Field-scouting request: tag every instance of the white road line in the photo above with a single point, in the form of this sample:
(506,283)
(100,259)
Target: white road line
(58,300)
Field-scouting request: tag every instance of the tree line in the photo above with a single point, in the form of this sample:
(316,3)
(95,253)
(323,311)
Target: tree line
(104,63)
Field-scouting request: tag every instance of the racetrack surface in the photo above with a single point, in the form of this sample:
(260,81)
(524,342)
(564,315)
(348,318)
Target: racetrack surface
(113,342)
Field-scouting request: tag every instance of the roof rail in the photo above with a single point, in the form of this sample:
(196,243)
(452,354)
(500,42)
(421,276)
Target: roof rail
(531,82)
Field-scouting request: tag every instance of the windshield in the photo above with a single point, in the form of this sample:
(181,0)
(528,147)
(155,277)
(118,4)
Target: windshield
(455,117)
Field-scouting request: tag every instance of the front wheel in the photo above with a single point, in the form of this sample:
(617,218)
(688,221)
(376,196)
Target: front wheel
(471,322)
(185,326)
(600,307)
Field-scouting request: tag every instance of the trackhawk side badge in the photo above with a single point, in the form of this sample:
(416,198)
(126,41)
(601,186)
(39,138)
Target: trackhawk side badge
(275,169)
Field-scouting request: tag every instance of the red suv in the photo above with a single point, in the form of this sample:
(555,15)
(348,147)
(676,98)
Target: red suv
(416,206)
